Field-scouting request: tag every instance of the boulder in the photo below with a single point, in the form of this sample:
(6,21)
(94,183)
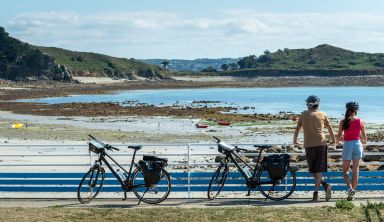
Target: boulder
(370,158)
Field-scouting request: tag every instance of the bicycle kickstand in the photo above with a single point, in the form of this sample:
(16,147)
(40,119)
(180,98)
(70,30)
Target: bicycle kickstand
(125,195)
(249,196)
(142,196)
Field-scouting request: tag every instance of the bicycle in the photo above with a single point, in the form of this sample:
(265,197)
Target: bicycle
(136,181)
(273,189)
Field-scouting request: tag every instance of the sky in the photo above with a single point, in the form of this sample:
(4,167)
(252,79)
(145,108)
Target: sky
(181,29)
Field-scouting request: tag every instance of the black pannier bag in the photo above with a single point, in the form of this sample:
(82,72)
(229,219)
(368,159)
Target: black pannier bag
(277,165)
(151,167)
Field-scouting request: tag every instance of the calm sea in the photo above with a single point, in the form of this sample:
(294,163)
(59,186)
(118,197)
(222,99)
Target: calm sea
(250,100)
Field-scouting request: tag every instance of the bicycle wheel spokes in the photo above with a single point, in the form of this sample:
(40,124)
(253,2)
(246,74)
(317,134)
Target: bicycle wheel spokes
(217,181)
(279,189)
(90,185)
(155,193)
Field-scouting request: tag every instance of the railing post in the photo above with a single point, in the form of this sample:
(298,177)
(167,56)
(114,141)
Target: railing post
(189,170)
(286,180)
(90,159)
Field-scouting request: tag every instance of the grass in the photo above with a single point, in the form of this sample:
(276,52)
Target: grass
(182,214)
(373,211)
(344,204)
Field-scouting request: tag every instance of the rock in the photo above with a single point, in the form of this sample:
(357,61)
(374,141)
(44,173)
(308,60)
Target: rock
(274,149)
(372,148)
(370,158)
(293,159)
(218,159)
(301,158)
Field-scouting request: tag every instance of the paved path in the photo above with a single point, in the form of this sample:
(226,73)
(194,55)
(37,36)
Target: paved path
(185,203)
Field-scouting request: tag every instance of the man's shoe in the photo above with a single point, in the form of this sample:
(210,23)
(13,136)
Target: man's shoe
(328,192)
(315,196)
(351,193)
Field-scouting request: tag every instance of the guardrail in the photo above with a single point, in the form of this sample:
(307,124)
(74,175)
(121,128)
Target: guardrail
(56,169)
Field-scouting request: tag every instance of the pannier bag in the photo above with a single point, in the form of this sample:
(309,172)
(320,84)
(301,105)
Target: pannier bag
(276,165)
(152,167)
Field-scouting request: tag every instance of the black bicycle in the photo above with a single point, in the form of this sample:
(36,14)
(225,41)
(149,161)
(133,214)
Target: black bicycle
(150,182)
(273,176)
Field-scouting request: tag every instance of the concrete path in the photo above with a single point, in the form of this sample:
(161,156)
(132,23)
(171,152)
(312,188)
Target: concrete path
(184,203)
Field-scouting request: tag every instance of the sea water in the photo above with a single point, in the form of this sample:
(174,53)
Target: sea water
(248,100)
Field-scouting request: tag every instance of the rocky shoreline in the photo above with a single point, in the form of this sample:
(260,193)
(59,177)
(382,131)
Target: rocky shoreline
(10,90)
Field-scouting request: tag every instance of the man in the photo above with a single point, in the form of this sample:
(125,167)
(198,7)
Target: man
(313,121)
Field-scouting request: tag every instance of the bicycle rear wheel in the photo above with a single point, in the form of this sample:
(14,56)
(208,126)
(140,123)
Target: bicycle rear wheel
(276,190)
(154,194)
(90,185)
(217,181)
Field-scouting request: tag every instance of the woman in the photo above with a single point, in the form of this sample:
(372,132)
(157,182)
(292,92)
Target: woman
(353,128)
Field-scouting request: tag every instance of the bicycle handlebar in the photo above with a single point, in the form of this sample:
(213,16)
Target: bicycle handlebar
(106,146)
(218,140)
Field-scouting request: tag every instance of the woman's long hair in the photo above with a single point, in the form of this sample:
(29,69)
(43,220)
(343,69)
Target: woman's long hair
(348,117)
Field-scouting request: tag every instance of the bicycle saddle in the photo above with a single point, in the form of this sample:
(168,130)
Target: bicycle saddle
(135,147)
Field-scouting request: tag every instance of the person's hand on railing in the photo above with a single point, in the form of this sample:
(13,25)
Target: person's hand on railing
(297,143)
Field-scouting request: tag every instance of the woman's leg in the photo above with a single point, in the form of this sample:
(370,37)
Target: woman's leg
(355,171)
(347,180)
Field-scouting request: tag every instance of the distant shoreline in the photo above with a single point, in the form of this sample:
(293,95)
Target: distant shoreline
(10,90)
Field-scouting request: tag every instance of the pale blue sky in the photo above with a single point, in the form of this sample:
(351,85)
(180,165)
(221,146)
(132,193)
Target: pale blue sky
(196,28)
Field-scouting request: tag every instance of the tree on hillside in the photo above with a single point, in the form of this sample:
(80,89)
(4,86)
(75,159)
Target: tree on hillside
(164,65)
(233,66)
(247,62)
(209,69)
(224,67)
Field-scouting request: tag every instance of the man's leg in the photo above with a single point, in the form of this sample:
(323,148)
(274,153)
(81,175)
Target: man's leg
(318,179)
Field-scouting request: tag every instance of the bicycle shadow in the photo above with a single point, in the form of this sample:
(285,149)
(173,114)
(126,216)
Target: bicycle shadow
(257,202)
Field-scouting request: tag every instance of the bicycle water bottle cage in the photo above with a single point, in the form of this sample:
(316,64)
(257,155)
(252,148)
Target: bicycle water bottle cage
(223,147)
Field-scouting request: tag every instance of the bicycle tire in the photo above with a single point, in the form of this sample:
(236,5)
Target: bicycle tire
(286,186)
(219,178)
(139,188)
(86,187)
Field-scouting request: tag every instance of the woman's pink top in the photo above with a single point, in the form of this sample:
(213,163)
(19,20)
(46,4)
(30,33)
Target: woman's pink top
(353,132)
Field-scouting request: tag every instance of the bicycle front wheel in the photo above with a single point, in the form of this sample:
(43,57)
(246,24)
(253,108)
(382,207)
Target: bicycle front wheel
(90,185)
(217,181)
(155,193)
(276,189)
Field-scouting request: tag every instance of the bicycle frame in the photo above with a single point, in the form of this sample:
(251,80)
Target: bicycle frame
(251,182)
(125,184)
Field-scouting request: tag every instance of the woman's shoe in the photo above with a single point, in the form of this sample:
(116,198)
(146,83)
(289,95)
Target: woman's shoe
(351,193)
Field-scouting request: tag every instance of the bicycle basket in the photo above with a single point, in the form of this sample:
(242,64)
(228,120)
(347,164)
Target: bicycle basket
(94,146)
(152,170)
(276,165)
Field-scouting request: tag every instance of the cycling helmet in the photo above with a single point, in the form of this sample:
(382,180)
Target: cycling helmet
(312,100)
(352,105)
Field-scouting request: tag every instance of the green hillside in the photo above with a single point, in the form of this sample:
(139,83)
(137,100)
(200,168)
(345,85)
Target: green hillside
(94,64)
(324,60)
(20,61)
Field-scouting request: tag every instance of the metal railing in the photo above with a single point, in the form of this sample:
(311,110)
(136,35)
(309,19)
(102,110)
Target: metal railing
(75,157)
